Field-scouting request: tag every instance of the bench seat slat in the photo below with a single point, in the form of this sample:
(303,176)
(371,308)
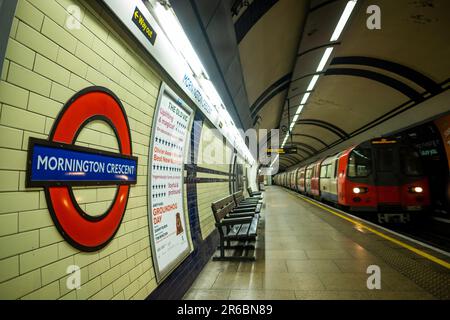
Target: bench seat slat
(253,226)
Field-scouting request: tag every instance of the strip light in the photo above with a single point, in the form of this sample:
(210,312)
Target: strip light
(326,56)
(344,19)
(313,82)
(274,160)
(299,109)
(178,38)
(305,98)
(174,31)
(324,59)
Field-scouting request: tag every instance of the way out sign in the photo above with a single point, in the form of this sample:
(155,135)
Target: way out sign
(58,164)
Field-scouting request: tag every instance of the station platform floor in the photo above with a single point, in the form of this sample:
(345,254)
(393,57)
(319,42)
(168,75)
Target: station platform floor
(309,251)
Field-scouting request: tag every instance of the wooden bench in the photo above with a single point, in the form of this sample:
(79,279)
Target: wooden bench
(256,194)
(235,226)
(241,202)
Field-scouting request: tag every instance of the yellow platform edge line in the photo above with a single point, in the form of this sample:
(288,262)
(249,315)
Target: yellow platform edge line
(382,235)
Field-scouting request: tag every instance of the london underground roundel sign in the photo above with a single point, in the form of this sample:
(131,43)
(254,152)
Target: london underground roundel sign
(58,165)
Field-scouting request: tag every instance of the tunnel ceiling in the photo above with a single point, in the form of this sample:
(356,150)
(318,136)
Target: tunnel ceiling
(271,50)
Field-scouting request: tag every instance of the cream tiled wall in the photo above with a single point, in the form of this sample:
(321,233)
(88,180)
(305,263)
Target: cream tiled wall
(213,191)
(46,63)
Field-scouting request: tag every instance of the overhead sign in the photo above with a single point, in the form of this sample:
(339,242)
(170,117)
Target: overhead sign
(171,127)
(58,165)
(383,141)
(283,151)
(65,164)
(142,23)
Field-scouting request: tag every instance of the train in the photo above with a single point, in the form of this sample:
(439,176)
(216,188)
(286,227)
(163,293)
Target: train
(380,176)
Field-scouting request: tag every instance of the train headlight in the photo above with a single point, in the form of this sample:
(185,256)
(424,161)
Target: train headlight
(359,190)
(416,189)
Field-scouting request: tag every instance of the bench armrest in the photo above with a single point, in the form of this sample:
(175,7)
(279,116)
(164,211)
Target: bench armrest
(234,221)
(245,206)
(243,210)
(239,215)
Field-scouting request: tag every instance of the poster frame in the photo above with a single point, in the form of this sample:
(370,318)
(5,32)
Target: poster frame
(161,275)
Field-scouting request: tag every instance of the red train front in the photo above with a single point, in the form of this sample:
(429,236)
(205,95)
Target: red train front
(382,176)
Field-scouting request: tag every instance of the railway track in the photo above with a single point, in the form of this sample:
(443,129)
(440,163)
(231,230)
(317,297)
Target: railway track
(422,230)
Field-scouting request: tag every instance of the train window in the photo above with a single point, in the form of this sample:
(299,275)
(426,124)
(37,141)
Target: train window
(308,173)
(360,163)
(329,169)
(323,171)
(411,162)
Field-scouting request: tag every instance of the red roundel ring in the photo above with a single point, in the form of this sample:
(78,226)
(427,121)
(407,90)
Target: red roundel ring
(78,228)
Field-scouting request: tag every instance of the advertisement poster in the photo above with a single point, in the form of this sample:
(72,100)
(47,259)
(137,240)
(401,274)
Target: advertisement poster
(172,122)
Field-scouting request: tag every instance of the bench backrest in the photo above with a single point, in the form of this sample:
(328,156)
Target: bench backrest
(222,207)
(238,197)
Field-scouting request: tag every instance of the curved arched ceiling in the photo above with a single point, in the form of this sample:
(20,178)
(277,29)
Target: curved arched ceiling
(371,74)
(268,53)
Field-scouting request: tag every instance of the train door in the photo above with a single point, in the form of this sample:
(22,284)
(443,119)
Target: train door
(301,180)
(315,188)
(387,177)
(324,182)
(293,180)
(309,171)
(334,181)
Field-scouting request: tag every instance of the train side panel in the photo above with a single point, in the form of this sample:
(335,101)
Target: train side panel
(328,179)
(309,172)
(315,180)
(301,180)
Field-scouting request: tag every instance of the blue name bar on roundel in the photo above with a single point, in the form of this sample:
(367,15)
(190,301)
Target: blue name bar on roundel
(57,164)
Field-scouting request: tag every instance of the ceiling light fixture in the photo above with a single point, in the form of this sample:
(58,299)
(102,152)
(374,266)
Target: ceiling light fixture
(323,62)
(313,82)
(325,58)
(178,38)
(274,160)
(344,19)
(305,98)
(168,21)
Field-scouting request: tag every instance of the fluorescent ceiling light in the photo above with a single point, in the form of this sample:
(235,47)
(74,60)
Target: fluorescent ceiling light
(213,96)
(313,82)
(295,119)
(274,160)
(299,110)
(305,98)
(325,58)
(177,36)
(344,19)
